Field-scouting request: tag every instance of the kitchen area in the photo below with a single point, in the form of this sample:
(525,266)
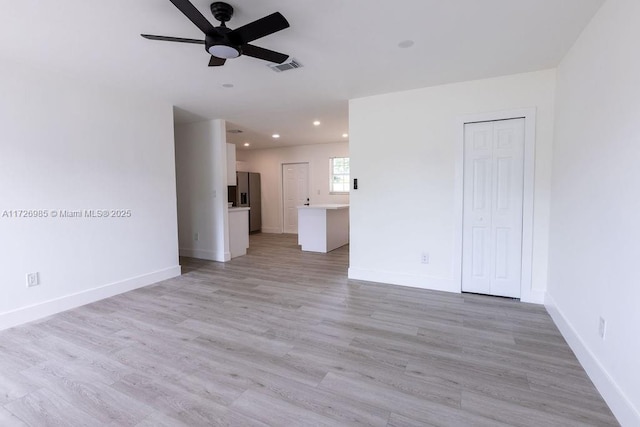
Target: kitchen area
(321,227)
(305,192)
(223,199)
(211,172)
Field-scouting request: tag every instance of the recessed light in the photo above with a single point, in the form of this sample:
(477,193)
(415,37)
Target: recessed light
(275,135)
(405,44)
(227,85)
(345,135)
(316,123)
(246,144)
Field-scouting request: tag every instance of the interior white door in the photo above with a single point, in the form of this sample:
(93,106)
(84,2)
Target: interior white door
(493,196)
(295,188)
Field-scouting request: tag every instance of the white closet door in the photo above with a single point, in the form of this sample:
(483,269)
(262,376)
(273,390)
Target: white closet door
(295,188)
(492,221)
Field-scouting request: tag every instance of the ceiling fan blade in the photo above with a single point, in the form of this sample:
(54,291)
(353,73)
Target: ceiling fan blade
(172,39)
(265,54)
(216,62)
(194,15)
(259,28)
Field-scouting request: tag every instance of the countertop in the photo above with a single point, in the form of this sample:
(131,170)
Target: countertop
(325,206)
(239,209)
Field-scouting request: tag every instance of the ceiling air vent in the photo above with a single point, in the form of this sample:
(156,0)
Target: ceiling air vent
(289,64)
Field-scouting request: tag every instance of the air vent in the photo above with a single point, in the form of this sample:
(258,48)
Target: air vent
(289,64)
(234,131)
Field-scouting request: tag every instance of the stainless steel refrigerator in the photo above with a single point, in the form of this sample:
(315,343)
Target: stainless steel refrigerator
(248,194)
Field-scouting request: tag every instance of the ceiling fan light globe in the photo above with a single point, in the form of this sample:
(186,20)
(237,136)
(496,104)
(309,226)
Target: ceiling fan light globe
(224,51)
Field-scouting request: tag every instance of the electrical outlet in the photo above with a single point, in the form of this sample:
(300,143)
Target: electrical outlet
(425,258)
(196,237)
(33,279)
(602,328)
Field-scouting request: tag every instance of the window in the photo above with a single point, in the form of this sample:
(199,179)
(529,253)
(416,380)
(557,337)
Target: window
(339,183)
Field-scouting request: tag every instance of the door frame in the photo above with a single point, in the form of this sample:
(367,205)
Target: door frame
(282,208)
(529,116)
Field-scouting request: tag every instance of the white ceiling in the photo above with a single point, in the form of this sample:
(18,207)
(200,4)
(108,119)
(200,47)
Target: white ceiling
(349,49)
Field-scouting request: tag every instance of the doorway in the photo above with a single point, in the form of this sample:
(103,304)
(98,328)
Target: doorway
(493,195)
(295,192)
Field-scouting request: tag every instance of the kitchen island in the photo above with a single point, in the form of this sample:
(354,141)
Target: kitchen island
(323,228)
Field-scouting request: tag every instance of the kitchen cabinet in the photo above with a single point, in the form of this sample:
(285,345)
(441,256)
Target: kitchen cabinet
(238,231)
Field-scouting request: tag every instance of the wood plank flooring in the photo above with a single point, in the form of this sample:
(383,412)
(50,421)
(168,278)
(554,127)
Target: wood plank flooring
(282,338)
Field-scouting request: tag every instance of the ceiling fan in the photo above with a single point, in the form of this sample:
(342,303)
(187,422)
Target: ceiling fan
(223,43)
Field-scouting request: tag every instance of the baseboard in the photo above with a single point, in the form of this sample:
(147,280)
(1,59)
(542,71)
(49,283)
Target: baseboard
(620,405)
(208,255)
(272,230)
(534,297)
(67,302)
(410,280)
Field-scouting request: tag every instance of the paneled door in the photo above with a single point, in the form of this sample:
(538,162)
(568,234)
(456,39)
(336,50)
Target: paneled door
(295,190)
(492,209)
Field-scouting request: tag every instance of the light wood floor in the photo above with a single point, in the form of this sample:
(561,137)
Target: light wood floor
(282,338)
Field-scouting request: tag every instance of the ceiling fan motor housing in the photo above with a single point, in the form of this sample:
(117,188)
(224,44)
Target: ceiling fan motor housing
(220,39)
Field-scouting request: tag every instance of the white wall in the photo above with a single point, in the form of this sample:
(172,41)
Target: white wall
(403,152)
(595,232)
(268,163)
(68,145)
(201,168)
